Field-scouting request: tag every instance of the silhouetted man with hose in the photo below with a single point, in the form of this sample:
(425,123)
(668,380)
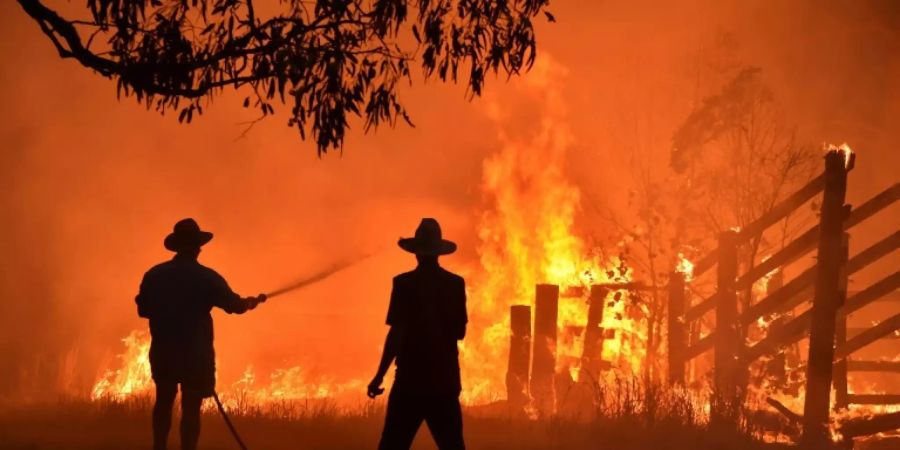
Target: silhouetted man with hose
(177,296)
(427,316)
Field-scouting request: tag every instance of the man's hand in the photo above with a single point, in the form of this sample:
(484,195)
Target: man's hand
(255,301)
(375,389)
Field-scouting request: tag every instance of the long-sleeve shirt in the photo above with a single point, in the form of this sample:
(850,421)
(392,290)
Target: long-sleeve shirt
(428,311)
(177,297)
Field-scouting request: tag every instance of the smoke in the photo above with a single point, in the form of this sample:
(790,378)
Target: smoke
(91,185)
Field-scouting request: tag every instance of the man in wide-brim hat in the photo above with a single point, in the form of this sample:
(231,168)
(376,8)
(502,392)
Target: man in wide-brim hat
(177,296)
(427,316)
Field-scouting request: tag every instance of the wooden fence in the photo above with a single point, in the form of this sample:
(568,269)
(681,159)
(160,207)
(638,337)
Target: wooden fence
(824,323)
(532,379)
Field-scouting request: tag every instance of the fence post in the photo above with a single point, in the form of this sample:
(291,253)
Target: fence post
(693,332)
(592,355)
(725,402)
(777,367)
(677,333)
(840,337)
(826,301)
(543,353)
(519,357)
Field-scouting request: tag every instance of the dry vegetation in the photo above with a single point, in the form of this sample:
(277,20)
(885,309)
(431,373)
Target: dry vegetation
(619,414)
(630,419)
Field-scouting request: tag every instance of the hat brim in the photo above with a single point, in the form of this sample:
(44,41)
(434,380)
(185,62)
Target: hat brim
(442,247)
(177,243)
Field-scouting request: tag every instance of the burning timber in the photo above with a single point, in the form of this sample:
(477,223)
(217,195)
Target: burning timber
(825,324)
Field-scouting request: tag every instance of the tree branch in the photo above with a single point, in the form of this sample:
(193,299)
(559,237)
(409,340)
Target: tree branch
(55,27)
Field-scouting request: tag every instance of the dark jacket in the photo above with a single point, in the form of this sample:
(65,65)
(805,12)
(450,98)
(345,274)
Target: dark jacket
(428,310)
(177,297)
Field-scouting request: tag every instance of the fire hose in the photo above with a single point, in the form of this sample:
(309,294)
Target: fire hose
(296,285)
(231,428)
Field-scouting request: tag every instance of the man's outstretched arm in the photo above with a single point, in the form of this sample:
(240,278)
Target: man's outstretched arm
(387,357)
(232,303)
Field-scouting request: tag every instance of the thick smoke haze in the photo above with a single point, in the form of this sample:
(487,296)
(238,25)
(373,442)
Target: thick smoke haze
(91,185)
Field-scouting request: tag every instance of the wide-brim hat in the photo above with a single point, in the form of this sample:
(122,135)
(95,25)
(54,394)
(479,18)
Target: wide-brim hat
(186,234)
(428,240)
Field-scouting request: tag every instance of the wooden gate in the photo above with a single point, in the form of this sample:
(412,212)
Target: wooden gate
(824,322)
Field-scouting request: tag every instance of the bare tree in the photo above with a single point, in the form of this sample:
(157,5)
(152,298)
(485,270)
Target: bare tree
(732,159)
(737,159)
(327,59)
(651,245)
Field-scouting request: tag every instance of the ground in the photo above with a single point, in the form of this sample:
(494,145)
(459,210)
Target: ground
(81,425)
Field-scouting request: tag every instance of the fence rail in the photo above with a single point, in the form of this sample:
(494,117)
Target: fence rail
(825,323)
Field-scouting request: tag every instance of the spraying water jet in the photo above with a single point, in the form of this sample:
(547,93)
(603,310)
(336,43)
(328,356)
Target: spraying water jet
(321,275)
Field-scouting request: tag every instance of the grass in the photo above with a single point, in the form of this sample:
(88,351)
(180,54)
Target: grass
(108,426)
(619,414)
(619,417)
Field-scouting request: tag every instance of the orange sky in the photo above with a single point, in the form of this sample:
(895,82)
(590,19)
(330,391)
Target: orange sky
(91,185)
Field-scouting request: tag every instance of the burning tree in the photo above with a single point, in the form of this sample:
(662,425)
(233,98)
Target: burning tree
(736,159)
(732,158)
(328,60)
(736,154)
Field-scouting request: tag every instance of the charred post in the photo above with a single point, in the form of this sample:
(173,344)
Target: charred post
(726,395)
(777,367)
(543,359)
(693,329)
(519,357)
(826,302)
(840,335)
(677,328)
(592,356)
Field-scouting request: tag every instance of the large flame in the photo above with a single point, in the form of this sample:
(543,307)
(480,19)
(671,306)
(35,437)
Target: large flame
(527,236)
